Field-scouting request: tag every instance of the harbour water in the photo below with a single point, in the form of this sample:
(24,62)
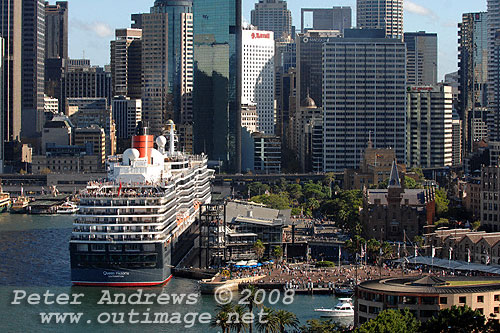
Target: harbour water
(34,258)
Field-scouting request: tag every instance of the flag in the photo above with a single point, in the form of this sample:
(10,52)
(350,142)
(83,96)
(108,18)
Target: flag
(487,260)
(399,248)
(450,251)
(340,253)
(120,188)
(416,251)
(433,252)
(468,255)
(362,251)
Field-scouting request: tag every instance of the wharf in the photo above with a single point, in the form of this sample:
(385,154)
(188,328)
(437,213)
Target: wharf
(47,204)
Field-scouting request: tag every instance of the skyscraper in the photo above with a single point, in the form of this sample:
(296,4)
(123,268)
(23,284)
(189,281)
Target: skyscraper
(363,97)
(167,62)
(258,76)
(11,28)
(472,73)
(126,63)
(429,126)
(310,64)
(273,15)
(381,14)
(494,67)
(33,67)
(421,58)
(217,93)
(56,30)
(336,18)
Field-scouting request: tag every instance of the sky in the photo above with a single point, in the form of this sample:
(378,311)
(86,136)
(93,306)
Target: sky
(92,23)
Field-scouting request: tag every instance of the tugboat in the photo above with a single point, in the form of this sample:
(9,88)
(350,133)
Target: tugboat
(343,309)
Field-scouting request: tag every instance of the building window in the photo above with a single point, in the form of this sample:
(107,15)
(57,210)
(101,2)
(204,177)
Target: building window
(496,298)
(480,299)
(462,300)
(443,300)
(496,309)
(481,311)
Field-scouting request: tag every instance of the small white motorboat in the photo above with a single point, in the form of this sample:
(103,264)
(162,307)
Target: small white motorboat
(343,309)
(67,208)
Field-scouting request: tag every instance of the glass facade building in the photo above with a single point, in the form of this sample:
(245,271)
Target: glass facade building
(217,70)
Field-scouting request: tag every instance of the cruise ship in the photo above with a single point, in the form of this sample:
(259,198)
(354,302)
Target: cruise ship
(133,227)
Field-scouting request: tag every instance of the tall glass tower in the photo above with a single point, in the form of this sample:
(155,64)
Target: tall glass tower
(217,91)
(179,54)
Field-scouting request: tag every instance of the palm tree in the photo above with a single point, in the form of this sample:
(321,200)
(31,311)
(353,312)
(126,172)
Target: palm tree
(237,322)
(221,319)
(278,252)
(286,318)
(253,300)
(259,248)
(268,322)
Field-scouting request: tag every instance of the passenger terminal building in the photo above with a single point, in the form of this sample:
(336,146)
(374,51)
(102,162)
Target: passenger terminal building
(426,296)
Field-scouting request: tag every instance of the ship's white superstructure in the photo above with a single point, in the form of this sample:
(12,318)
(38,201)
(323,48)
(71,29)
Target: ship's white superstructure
(130,226)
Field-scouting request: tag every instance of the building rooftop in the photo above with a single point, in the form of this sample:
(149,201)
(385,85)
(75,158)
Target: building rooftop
(432,285)
(414,196)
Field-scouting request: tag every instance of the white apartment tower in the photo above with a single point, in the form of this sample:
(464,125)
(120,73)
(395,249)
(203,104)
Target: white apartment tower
(381,14)
(258,76)
(429,125)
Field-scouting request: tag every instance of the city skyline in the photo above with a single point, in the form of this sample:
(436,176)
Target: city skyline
(91,31)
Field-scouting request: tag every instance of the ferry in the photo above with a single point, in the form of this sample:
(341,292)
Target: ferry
(137,224)
(5,201)
(20,205)
(67,208)
(343,309)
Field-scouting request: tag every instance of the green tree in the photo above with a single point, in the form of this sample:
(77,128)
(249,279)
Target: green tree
(278,252)
(254,300)
(476,225)
(318,326)
(259,248)
(257,188)
(391,321)
(442,222)
(286,319)
(237,323)
(313,190)
(313,204)
(457,320)
(268,323)
(419,173)
(295,192)
(442,202)
(275,201)
(419,241)
(221,319)
(373,248)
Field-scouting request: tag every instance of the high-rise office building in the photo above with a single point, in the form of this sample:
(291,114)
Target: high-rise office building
(85,82)
(56,30)
(473,73)
(258,80)
(381,14)
(127,113)
(310,64)
(363,97)
(421,58)
(33,67)
(429,126)
(285,58)
(273,15)
(167,62)
(126,63)
(87,112)
(336,18)
(217,93)
(494,67)
(457,140)
(11,28)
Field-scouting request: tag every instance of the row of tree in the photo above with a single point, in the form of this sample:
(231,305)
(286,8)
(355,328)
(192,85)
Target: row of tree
(452,320)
